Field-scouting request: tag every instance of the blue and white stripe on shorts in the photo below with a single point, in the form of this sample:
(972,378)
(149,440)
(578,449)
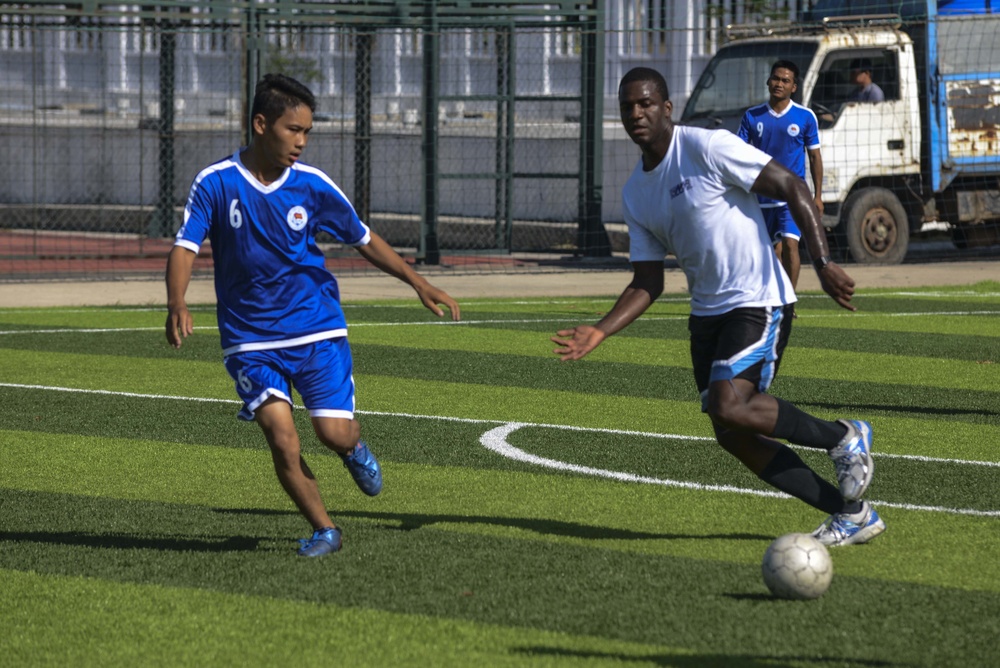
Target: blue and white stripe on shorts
(765,351)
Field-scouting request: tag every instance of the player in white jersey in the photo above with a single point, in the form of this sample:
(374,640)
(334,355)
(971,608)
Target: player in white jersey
(788,132)
(279,311)
(693,195)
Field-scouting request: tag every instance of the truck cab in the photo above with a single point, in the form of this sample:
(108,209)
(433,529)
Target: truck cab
(906,164)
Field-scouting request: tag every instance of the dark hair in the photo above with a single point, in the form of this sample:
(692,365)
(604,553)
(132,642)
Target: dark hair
(276,93)
(861,64)
(787,65)
(646,74)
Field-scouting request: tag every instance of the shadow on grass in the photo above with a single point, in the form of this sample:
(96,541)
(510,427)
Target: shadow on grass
(703,660)
(131,542)
(887,408)
(413,521)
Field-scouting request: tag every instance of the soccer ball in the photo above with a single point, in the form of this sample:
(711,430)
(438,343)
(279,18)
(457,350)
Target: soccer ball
(797,566)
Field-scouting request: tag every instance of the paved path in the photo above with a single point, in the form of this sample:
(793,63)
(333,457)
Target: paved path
(466,286)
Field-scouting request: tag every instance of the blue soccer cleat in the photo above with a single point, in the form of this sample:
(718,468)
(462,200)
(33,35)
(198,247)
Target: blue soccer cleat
(323,541)
(845,529)
(853,459)
(364,469)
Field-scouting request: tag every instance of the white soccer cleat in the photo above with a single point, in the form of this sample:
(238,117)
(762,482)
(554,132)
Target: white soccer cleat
(853,459)
(846,529)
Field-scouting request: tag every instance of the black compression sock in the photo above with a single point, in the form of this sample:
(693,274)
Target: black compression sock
(797,426)
(790,474)
(852,507)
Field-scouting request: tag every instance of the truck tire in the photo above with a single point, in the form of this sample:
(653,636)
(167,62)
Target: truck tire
(876,227)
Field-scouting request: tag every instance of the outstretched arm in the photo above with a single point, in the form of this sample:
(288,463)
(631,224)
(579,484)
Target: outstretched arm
(646,286)
(779,183)
(381,254)
(180,324)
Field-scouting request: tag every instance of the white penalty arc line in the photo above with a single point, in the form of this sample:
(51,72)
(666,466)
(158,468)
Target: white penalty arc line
(445,418)
(495,440)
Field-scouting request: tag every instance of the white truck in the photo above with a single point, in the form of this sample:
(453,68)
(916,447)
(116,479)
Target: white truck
(927,158)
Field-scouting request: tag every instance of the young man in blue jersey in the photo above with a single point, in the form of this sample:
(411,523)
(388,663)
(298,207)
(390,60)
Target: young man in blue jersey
(279,312)
(693,195)
(789,133)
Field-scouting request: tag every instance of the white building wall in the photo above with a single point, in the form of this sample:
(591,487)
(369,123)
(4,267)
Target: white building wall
(676,38)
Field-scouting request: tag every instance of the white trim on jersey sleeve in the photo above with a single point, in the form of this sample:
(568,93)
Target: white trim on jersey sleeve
(190,245)
(365,240)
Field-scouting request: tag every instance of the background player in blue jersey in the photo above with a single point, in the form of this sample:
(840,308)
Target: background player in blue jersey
(788,132)
(279,312)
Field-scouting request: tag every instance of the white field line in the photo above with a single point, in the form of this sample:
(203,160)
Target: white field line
(429,323)
(496,440)
(102,330)
(521,302)
(498,321)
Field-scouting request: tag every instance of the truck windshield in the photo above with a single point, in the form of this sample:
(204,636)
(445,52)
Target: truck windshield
(736,77)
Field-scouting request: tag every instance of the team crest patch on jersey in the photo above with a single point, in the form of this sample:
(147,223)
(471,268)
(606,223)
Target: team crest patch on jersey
(297,218)
(793,130)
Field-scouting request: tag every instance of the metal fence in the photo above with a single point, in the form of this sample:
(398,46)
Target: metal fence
(469,133)
(464,131)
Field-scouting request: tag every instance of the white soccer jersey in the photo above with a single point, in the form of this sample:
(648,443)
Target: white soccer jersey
(273,288)
(697,205)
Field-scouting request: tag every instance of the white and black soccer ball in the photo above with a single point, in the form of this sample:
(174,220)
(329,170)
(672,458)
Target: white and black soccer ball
(797,566)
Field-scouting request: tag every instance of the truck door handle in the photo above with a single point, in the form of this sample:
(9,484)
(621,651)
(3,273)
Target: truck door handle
(895,144)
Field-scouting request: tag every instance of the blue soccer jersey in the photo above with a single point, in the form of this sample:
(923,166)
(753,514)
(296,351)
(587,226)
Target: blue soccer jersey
(271,281)
(785,136)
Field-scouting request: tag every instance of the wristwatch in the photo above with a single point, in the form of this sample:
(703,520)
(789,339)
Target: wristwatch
(821,262)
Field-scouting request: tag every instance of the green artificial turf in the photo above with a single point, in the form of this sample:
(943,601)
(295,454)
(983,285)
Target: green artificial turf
(142,523)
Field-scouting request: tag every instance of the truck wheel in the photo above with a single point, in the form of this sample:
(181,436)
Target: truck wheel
(878,231)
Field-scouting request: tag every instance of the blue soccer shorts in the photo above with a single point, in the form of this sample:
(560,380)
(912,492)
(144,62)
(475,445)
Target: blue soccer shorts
(780,224)
(743,343)
(321,372)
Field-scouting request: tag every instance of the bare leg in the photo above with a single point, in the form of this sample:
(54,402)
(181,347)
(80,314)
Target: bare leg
(740,413)
(338,434)
(787,251)
(753,450)
(790,259)
(737,405)
(342,436)
(275,418)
